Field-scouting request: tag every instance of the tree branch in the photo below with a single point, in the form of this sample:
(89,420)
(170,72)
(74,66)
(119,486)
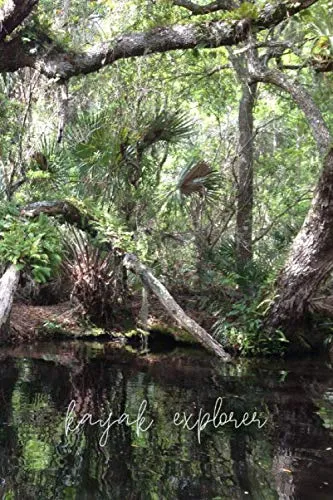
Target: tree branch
(69,212)
(197,10)
(57,62)
(302,98)
(12,14)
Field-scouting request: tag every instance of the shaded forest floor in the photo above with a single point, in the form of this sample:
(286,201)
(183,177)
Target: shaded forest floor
(31,322)
(28,321)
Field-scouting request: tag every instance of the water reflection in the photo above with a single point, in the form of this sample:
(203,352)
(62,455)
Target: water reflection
(290,457)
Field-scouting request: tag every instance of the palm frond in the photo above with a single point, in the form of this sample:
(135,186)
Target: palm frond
(97,278)
(86,125)
(198,178)
(167,126)
(192,178)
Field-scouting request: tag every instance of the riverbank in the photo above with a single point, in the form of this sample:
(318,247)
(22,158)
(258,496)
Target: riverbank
(35,322)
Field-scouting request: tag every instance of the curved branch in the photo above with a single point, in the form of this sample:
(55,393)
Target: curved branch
(69,213)
(56,62)
(13,13)
(320,131)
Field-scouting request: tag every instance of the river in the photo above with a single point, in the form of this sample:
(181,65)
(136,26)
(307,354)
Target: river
(148,408)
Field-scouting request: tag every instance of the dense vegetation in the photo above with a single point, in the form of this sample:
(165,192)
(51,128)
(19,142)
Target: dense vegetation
(190,134)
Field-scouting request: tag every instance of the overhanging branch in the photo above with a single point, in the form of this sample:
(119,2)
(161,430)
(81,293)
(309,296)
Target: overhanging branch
(13,14)
(320,131)
(57,62)
(197,10)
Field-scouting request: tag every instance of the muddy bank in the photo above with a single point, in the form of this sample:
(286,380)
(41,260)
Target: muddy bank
(30,323)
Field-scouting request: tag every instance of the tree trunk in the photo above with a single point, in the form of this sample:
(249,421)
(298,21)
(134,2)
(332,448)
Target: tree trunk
(144,311)
(8,286)
(149,281)
(310,260)
(244,213)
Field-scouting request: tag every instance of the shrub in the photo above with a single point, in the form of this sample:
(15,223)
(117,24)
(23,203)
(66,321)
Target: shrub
(33,245)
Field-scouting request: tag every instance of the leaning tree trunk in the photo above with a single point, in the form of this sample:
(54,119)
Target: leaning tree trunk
(311,256)
(310,260)
(8,286)
(73,216)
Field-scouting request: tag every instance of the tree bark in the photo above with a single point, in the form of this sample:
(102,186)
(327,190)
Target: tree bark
(244,213)
(309,262)
(64,209)
(12,14)
(199,10)
(149,281)
(8,286)
(55,61)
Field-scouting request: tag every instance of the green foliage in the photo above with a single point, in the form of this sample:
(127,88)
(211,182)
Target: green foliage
(242,330)
(247,10)
(239,299)
(319,28)
(150,149)
(118,157)
(33,245)
(110,229)
(153,14)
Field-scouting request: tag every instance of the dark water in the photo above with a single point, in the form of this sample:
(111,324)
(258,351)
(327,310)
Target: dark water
(291,456)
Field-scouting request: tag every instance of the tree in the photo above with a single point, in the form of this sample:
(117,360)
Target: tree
(244,215)
(310,259)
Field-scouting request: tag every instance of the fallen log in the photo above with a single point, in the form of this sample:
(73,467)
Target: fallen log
(151,283)
(8,286)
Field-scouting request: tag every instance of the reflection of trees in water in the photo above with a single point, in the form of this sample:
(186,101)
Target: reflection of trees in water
(105,470)
(297,436)
(8,442)
(163,462)
(38,461)
(301,463)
